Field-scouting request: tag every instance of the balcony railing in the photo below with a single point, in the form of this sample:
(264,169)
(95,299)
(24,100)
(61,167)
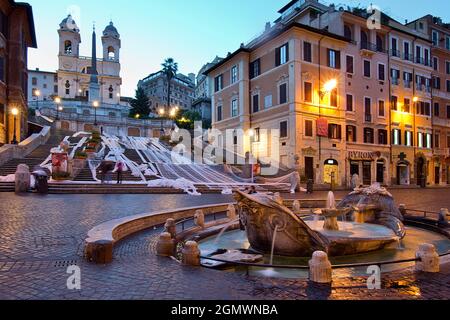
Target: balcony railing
(395,53)
(444,152)
(395,81)
(407,84)
(369,46)
(368,118)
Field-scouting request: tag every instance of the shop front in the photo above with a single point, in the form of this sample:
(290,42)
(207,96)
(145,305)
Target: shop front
(366,168)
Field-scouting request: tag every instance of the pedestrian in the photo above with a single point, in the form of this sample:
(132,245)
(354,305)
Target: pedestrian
(119,169)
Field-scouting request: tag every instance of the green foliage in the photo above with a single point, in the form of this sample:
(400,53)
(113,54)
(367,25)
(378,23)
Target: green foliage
(61,176)
(140,105)
(80,155)
(186,119)
(170,68)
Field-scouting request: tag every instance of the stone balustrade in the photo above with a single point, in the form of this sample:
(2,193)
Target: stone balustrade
(9,152)
(101,240)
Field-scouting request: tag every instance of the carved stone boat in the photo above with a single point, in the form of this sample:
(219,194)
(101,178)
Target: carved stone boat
(261,216)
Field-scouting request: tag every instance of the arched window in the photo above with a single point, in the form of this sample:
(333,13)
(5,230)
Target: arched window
(348,32)
(68,47)
(111,53)
(111,92)
(364,40)
(67,85)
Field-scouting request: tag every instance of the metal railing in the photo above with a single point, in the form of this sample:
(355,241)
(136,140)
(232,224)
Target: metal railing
(300,267)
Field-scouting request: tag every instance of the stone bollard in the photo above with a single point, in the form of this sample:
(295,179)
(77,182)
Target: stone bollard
(171,228)
(199,219)
(443,216)
(320,270)
(22,179)
(231,212)
(100,252)
(191,254)
(429,259)
(165,246)
(402,209)
(296,206)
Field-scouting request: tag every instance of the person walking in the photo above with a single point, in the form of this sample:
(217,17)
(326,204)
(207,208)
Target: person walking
(119,170)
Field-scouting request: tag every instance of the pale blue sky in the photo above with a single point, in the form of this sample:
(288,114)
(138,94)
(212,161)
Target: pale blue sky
(191,31)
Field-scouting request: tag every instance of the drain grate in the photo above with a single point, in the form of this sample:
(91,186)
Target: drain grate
(65,263)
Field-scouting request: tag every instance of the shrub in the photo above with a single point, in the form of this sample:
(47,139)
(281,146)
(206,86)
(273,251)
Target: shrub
(61,176)
(80,155)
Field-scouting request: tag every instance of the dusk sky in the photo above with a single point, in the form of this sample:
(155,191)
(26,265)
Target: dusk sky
(192,32)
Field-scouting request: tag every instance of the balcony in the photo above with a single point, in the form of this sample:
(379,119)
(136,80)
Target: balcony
(368,118)
(408,57)
(443,152)
(395,53)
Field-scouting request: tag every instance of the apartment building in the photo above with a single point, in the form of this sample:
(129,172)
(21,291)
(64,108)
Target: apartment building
(439,34)
(17,34)
(181,93)
(385,117)
(290,79)
(42,86)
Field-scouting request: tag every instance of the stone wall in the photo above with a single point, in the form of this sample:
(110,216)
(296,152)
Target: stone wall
(9,152)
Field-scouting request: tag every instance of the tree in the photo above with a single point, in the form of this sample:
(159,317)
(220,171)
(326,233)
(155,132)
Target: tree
(170,69)
(187,119)
(140,104)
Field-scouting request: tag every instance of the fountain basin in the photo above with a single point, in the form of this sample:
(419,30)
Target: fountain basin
(402,250)
(354,238)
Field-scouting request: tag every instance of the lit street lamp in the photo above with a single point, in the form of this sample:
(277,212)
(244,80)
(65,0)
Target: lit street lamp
(57,101)
(328,87)
(95,104)
(37,93)
(14,112)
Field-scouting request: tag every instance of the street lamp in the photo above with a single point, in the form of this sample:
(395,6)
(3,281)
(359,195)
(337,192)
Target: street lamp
(328,87)
(37,93)
(161,115)
(57,101)
(95,104)
(14,112)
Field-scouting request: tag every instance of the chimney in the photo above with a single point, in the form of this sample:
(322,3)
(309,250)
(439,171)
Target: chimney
(267,26)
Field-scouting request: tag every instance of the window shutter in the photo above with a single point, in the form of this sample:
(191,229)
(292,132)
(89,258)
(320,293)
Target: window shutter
(277,57)
(338,59)
(330,131)
(328,57)
(287,51)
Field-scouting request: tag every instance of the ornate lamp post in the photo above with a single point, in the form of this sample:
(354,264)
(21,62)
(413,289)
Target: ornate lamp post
(14,112)
(161,115)
(95,104)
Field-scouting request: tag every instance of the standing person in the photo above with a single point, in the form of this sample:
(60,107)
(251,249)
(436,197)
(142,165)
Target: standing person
(119,170)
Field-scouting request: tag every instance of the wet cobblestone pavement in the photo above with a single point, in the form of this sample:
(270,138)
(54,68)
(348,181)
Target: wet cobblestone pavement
(41,236)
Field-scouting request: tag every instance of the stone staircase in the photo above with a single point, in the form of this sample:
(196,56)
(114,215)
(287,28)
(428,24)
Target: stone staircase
(36,157)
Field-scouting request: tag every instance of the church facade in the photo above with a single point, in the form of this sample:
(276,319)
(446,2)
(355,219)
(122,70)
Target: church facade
(74,72)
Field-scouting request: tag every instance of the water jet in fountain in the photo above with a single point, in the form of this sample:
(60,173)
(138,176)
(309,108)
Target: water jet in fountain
(273,244)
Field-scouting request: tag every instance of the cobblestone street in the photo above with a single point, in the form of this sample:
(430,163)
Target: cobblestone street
(41,236)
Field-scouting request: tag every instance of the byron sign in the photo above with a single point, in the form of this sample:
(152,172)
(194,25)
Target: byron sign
(363,155)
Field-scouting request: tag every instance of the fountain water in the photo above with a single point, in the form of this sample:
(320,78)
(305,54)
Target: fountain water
(273,244)
(331,201)
(225,228)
